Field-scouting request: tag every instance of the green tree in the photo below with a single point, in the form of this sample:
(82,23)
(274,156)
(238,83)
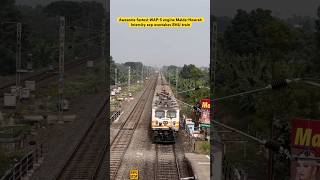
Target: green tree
(318,27)
(190,72)
(83,25)
(277,37)
(243,30)
(70,9)
(8,13)
(256,33)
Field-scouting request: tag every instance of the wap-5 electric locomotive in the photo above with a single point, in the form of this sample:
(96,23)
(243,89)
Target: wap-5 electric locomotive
(165,113)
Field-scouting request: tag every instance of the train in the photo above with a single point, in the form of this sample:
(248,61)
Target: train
(165,116)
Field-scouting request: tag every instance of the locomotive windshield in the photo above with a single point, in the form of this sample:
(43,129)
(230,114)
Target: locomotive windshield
(171,114)
(160,114)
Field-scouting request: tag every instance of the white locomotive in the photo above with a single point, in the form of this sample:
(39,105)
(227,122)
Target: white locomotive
(165,113)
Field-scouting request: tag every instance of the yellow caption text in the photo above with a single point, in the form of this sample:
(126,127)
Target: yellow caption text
(160,22)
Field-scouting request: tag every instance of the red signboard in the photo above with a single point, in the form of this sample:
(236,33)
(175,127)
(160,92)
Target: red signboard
(205,111)
(205,103)
(305,147)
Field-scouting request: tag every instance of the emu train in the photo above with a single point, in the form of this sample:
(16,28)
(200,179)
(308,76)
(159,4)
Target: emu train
(165,113)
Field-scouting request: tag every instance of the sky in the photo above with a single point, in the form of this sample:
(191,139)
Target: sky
(160,46)
(281,8)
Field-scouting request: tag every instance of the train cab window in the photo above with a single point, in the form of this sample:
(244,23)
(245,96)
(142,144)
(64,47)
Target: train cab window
(171,114)
(160,114)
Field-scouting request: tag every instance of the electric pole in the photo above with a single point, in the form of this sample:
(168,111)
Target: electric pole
(18,61)
(88,30)
(61,67)
(142,74)
(217,164)
(177,74)
(115,76)
(103,44)
(169,77)
(129,78)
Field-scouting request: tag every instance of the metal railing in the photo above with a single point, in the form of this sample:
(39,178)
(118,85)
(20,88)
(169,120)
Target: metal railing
(230,172)
(115,115)
(25,166)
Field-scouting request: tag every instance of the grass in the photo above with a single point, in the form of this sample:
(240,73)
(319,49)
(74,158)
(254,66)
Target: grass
(204,147)
(253,158)
(89,81)
(7,160)
(12,132)
(134,89)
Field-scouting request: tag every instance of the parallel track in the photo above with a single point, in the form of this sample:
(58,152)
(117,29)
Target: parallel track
(86,159)
(123,138)
(166,167)
(43,75)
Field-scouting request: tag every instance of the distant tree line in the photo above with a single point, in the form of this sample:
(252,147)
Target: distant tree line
(193,83)
(123,69)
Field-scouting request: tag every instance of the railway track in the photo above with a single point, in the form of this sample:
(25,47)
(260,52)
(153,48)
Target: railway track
(43,75)
(167,166)
(87,157)
(123,138)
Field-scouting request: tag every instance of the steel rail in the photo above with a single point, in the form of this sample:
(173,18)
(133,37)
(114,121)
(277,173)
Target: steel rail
(171,171)
(125,134)
(43,74)
(81,142)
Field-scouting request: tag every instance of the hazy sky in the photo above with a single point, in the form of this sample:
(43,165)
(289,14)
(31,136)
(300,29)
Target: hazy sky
(281,8)
(160,46)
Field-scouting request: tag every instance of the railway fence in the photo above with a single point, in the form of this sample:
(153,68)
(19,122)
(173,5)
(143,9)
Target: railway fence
(115,115)
(231,172)
(25,166)
(190,139)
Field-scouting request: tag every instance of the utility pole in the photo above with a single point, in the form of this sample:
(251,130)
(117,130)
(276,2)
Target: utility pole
(129,78)
(271,154)
(169,77)
(115,76)
(61,68)
(177,75)
(103,44)
(142,74)
(147,71)
(88,31)
(18,61)
(217,163)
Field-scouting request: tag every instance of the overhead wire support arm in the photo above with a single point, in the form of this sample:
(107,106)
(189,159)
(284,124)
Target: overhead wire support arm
(277,84)
(311,83)
(260,141)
